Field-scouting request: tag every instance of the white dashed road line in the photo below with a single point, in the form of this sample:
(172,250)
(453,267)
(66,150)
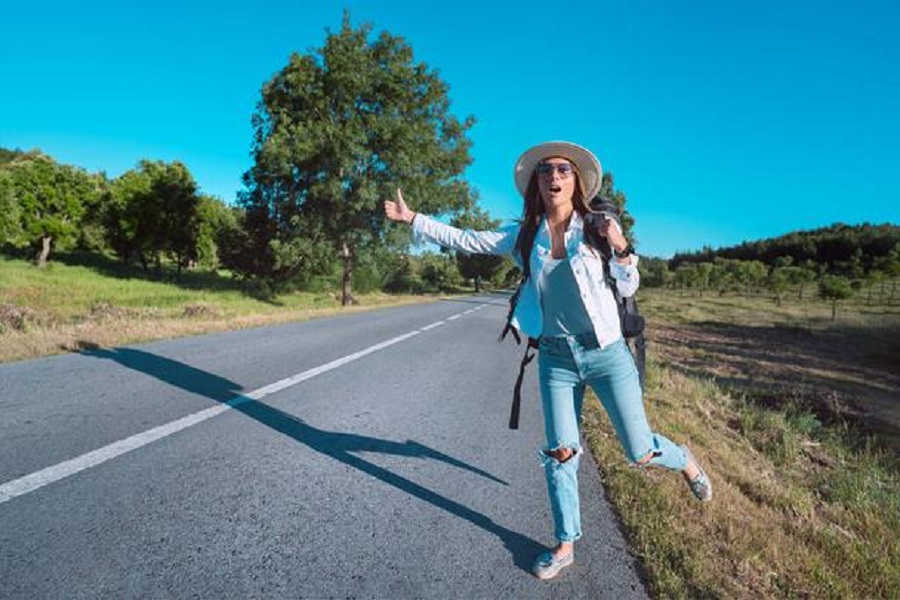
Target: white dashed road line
(38,479)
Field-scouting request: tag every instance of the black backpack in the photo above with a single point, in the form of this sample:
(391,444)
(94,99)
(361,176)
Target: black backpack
(630,318)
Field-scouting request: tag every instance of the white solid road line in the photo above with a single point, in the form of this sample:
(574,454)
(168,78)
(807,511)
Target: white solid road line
(38,479)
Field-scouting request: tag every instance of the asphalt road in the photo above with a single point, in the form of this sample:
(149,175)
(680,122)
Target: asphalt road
(361,456)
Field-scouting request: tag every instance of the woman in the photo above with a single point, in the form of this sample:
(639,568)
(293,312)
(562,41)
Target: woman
(566,303)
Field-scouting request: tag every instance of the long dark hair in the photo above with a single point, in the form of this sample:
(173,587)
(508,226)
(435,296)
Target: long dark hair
(534,211)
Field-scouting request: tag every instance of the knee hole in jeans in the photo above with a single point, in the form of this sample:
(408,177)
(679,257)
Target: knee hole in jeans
(562,454)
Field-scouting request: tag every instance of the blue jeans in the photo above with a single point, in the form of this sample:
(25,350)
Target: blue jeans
(566,364)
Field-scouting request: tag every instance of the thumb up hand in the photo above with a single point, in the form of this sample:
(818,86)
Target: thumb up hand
(398,211)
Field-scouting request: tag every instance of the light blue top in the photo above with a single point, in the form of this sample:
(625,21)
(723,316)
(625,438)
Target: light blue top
(561,304)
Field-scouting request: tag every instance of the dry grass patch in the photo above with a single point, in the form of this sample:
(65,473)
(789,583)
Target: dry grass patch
(15,318)
(117,326)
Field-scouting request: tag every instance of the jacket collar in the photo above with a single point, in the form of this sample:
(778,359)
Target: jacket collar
(576,226)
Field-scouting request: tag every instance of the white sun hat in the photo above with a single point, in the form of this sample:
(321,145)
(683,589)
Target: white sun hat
(584,160)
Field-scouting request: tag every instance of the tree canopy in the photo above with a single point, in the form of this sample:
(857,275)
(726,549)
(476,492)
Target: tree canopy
(45,201)
(154,211)
(336,132)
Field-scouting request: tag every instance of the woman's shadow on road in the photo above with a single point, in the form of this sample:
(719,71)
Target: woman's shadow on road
(336,445)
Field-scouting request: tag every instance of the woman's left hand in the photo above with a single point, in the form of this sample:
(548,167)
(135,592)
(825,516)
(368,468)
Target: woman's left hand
(610,230)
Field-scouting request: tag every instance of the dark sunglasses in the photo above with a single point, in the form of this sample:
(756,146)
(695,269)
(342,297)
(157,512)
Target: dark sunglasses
(546,169)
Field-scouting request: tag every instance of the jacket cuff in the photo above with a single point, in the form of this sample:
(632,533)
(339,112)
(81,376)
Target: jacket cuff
(624,272)
(418,226)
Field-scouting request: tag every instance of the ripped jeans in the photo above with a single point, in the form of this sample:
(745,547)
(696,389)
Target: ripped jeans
(566,364)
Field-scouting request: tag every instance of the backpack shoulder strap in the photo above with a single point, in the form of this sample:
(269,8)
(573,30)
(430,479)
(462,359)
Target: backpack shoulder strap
(513,301)
(517,390)
(530,353)
(610,280)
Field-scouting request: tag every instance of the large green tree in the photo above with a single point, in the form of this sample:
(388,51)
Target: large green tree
(49,200)
(154,212)
(336,132)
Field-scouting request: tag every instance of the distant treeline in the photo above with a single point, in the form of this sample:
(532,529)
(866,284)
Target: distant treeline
(842,249)
(837,262)
(154,217)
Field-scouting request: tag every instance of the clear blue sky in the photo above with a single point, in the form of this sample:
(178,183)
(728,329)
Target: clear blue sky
(721,121)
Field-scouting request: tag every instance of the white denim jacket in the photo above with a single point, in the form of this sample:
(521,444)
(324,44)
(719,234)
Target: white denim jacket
(586,262)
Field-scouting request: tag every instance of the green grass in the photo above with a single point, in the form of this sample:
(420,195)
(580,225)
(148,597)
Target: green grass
(66,307)
(65,291)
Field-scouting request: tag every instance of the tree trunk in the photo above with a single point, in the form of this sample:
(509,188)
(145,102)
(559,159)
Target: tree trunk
(41,257)
(346,295)
(834,310)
